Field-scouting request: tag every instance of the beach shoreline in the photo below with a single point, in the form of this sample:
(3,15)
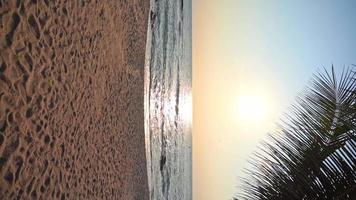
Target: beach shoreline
(71,96)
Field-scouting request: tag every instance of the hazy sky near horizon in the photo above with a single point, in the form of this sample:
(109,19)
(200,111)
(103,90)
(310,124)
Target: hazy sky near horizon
(267,46)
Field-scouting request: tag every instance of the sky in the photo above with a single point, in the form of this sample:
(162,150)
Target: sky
(268,48)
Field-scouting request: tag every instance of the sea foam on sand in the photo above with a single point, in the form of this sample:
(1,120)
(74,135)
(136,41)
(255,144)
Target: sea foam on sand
(71,99)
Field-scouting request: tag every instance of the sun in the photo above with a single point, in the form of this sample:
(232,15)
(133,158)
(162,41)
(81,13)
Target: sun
(252,107)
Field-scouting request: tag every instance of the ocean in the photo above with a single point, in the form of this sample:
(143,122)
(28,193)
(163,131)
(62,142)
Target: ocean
(168,100)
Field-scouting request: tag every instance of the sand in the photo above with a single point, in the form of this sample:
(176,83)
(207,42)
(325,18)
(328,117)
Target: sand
(71,99)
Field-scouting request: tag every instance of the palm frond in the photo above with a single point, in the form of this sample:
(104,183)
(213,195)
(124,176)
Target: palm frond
(313,155)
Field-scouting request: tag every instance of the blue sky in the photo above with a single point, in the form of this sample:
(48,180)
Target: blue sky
(292,38)
(269,45)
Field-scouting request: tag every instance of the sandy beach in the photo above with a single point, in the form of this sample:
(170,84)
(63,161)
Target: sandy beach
(71,99)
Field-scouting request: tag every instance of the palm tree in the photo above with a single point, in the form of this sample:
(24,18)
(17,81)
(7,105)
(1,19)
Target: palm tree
(313,154)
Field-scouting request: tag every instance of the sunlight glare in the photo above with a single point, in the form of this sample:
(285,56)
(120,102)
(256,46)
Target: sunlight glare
(252,108)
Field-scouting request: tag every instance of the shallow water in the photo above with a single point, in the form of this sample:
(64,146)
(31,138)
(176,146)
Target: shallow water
(168,100)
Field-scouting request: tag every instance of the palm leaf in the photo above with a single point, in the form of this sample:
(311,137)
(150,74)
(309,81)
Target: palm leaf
(313,155)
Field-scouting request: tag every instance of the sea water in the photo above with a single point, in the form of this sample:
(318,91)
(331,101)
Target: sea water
(168,110)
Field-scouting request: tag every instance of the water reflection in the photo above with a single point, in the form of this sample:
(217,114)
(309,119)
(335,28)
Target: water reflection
(168,100)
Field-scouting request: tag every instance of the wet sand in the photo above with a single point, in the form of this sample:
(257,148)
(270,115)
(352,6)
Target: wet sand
(71,99)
